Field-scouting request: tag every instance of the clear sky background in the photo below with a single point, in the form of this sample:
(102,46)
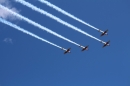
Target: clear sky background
(26,61)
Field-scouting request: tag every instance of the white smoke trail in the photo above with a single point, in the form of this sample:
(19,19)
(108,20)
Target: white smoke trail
(38,25)
(66,13)
(55,18)
(5,14)
(27,32)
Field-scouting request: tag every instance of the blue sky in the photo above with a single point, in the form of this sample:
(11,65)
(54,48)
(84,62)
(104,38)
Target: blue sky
(26,61)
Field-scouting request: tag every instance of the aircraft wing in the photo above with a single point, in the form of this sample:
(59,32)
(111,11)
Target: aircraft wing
(104,45)
(106,30)
(102,34)
(65,52)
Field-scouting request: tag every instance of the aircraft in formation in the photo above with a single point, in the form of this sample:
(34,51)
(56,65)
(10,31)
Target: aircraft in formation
(86,48)
(106,44)
(103,32)
(66,51)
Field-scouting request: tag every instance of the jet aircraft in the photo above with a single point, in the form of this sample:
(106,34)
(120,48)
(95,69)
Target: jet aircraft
(106,43)
(84,48)
(66,51)
(104,32)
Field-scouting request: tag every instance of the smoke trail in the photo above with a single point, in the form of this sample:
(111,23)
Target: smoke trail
(27,32)
(68,14)
(56,18)
(38,25)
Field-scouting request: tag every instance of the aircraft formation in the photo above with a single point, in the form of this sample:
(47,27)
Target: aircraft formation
(86,48)
(34,8)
